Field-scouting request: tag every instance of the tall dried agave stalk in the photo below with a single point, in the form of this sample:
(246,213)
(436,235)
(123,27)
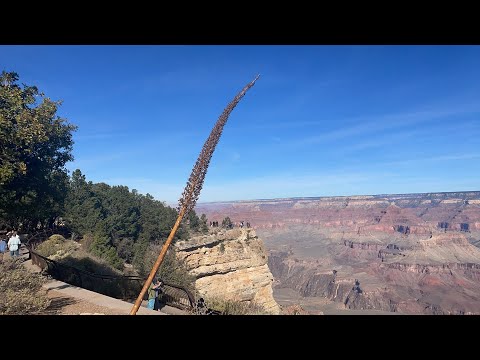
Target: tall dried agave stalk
(195,182)
(194,186)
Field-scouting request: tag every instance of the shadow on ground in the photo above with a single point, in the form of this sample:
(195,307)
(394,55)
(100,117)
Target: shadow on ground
(57,305)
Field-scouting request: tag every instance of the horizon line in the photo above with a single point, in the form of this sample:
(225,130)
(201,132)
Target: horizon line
(339,196)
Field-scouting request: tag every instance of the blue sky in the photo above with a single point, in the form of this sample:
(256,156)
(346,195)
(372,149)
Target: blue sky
(320,121)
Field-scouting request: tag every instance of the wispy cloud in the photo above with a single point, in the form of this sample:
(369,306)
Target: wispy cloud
(371,125)
(87,162)
(439,158)
(162,191)
(142,146)
(348,181)
(279,185)
(290,185)
(455,157)
(375,142)
(342,183)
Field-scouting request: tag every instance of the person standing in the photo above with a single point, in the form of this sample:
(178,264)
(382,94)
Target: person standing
(153,293)
(14,244)
(158,291)
(3,247)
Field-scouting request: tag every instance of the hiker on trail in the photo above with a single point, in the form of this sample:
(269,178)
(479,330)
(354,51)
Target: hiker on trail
(14,244)
(153,290)
(3,247)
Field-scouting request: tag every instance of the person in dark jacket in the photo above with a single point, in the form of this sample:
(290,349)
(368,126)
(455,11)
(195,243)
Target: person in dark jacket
(153,290)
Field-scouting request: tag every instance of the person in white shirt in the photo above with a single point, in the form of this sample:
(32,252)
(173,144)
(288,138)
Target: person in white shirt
(14,244)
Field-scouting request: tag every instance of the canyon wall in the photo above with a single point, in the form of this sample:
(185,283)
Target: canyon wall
(419,212)
(230,264)
(411,253)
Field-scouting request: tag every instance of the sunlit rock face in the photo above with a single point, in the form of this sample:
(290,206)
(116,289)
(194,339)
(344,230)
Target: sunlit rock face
(230,264)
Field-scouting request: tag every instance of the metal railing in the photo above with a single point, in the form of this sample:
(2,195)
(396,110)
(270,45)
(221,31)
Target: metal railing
(121,287)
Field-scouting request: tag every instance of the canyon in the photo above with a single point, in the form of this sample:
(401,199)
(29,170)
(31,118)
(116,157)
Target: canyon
(386,254)
(230,264)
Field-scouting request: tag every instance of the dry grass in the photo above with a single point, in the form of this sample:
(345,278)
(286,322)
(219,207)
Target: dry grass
(234,307)
(21,291)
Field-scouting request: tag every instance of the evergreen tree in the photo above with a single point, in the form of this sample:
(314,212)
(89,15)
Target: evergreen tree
(35,145)
(227,223)
(203,226)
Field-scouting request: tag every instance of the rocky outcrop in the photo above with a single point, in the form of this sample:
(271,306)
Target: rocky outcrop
(310,282)
(363,245)
(468,270)
(230,264)
(408,288)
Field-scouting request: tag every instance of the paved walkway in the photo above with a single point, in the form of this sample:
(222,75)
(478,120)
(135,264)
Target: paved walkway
(122,307)
(96,298)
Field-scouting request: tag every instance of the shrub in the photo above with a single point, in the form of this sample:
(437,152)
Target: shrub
(56,247)
(57,238)
(235,307)
(88,262)
(102,248)
(294,310)
(87,241)
(21,291)
(115,285)
(172,270)
(227,223)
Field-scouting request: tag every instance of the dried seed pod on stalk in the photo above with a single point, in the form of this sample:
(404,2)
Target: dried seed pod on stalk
(194,185)
(195,182)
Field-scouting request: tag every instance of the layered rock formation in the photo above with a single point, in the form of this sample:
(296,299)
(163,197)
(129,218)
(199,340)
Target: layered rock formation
(435,275)
(421,212)
(412,253)
(230,264)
